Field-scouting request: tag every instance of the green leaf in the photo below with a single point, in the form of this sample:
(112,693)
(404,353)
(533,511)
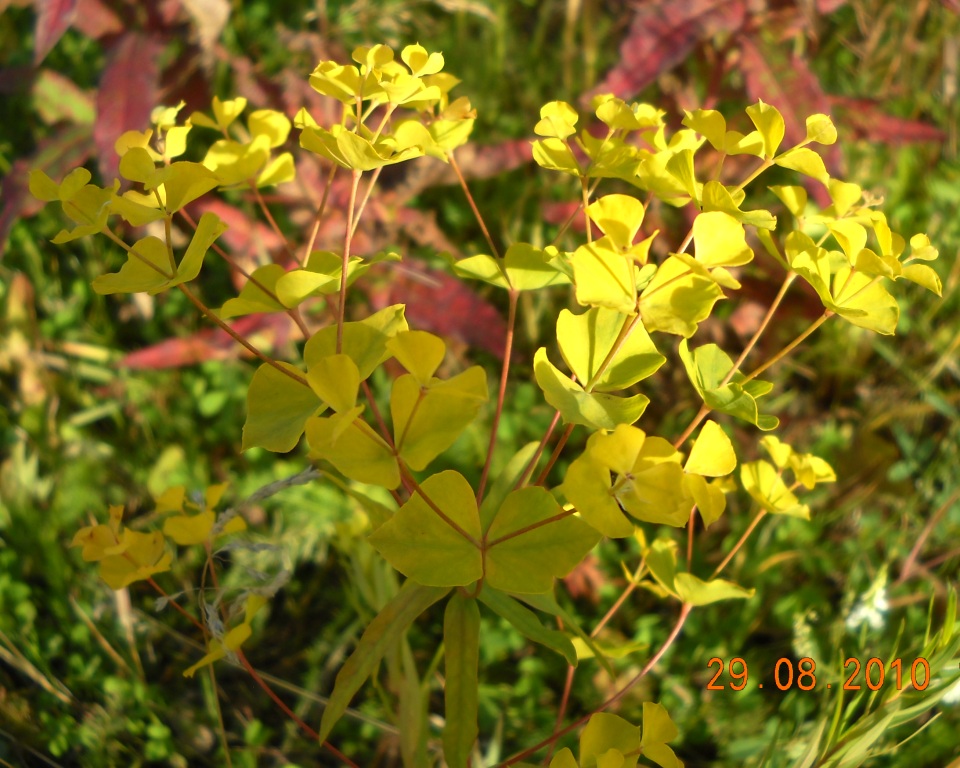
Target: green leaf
(419,352)
(532,540)
(527,623)
(482,267)
(707,367)
(698,592)
(717,197)
(380,635)
(844,195)
(762,481)
(806,161)
(596,410)
(506,480)
(209,228)
(662,561)
(587,339)
(461,644)
(821,130)
(181,183)
(147,269)
(351,445)
(719,240)
(794,197)
(677,299)
(770,125)
(278,171)
(619,216)
(529,268)
(420,542)
(557,120)
(680,166)
(365,341)
(604,277)
(923,275)
(320,276)
(277,409)
(658,729)
(708,497)
(864,302)
(554,155)
(428,420)
(708,123)
(712,454)
(336,381)
(587,486)
(605,732)
(253,299)
(736,143)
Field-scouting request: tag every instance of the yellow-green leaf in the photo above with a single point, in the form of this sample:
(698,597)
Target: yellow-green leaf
(712,453)
(769,123)
(596,410)
(277,409)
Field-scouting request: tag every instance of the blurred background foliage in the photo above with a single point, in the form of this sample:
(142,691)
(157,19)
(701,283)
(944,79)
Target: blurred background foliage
(106,401)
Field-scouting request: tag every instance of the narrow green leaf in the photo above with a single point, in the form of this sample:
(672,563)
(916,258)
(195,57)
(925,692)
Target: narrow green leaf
(461,643)
(388,627)
(527,623)
(698,592)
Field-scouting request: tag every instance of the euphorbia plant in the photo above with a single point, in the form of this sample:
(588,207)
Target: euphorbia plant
(500,544)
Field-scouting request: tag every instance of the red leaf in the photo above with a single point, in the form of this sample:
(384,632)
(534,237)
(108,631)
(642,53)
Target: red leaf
(788,84)
(53,18)
(211,344)
(127,95)
(65,149)
(442,304)
(661,35)
(829,6)
(95,20)
(246,236)
(870,122)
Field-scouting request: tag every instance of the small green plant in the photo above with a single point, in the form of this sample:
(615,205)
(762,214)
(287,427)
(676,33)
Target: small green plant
(497,545)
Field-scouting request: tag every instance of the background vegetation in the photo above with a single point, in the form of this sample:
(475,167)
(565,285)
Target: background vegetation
(105,401)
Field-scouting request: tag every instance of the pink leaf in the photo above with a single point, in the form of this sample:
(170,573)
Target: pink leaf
(53,18)
(660,37)
(95,20)
(211,344)
(127,95)
(870,122)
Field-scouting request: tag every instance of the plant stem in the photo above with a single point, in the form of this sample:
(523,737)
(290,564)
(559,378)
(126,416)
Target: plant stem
(513,295)
(674,633)
(528,470)
(239,339)
(271,221)
(791,346)
(344,264)
(743,540)
(319,214)
(790,277)
(473,205)
(556,454)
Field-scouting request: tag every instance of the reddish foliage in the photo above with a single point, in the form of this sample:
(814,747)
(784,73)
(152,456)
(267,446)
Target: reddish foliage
(212,344)
(870,122)
(662,34)
(127,94)
(440,303)
(53,19)
(96,20)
